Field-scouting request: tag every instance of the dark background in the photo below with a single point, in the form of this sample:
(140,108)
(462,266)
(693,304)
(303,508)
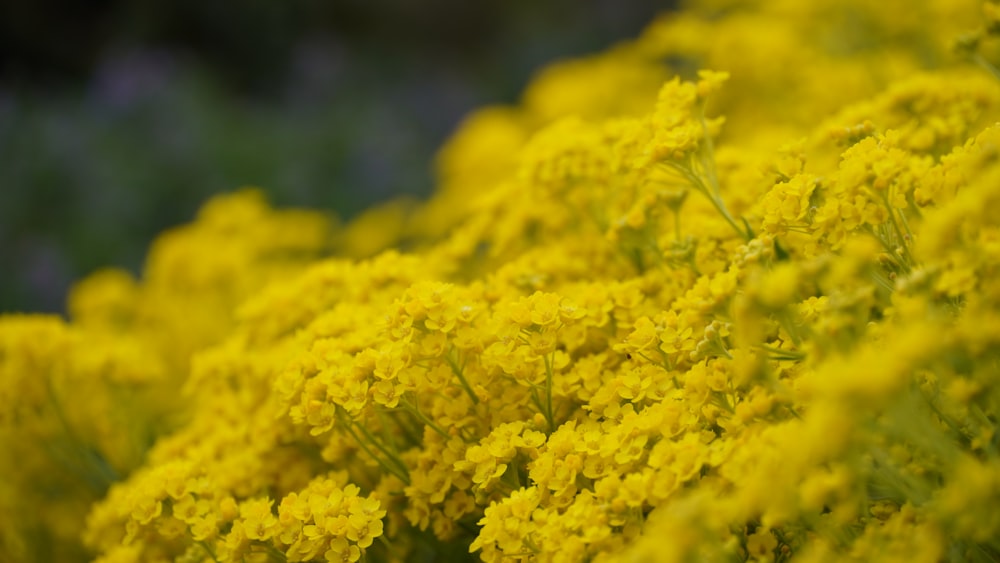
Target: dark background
(119,118)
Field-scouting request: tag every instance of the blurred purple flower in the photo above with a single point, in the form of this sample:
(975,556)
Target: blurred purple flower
(124,79)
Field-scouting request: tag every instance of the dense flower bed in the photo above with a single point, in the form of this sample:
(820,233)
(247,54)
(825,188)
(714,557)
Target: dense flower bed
(730,291)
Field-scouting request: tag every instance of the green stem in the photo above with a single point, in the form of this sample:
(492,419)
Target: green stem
(885,246)
(981,61)
(908,258)
(708,163)
(708,152)
(382,448)
(981,416)
(721,400)
(789,325)
(395,471)
(779,354)
(386,433)
(208,550)
(458,371)
(272,552)
(404,426)
(548,393)
(713,197)
(721,208)
(883,282)
(537,401)
(98,474)
(415,411)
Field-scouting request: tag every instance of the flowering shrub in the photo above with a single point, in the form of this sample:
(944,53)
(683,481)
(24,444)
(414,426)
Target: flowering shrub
(654,313)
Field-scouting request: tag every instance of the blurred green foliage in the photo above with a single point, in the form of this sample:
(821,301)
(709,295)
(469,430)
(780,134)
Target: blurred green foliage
(112,137)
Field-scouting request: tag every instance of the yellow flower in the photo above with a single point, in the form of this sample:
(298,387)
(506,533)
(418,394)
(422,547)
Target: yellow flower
(258,521)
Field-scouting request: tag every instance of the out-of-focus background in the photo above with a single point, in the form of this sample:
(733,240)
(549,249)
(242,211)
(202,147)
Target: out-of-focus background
(118,118)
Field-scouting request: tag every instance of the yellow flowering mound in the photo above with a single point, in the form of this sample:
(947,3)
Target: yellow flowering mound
(730,291)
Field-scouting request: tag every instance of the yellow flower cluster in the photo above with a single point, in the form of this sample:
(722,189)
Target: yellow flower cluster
(624,329)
